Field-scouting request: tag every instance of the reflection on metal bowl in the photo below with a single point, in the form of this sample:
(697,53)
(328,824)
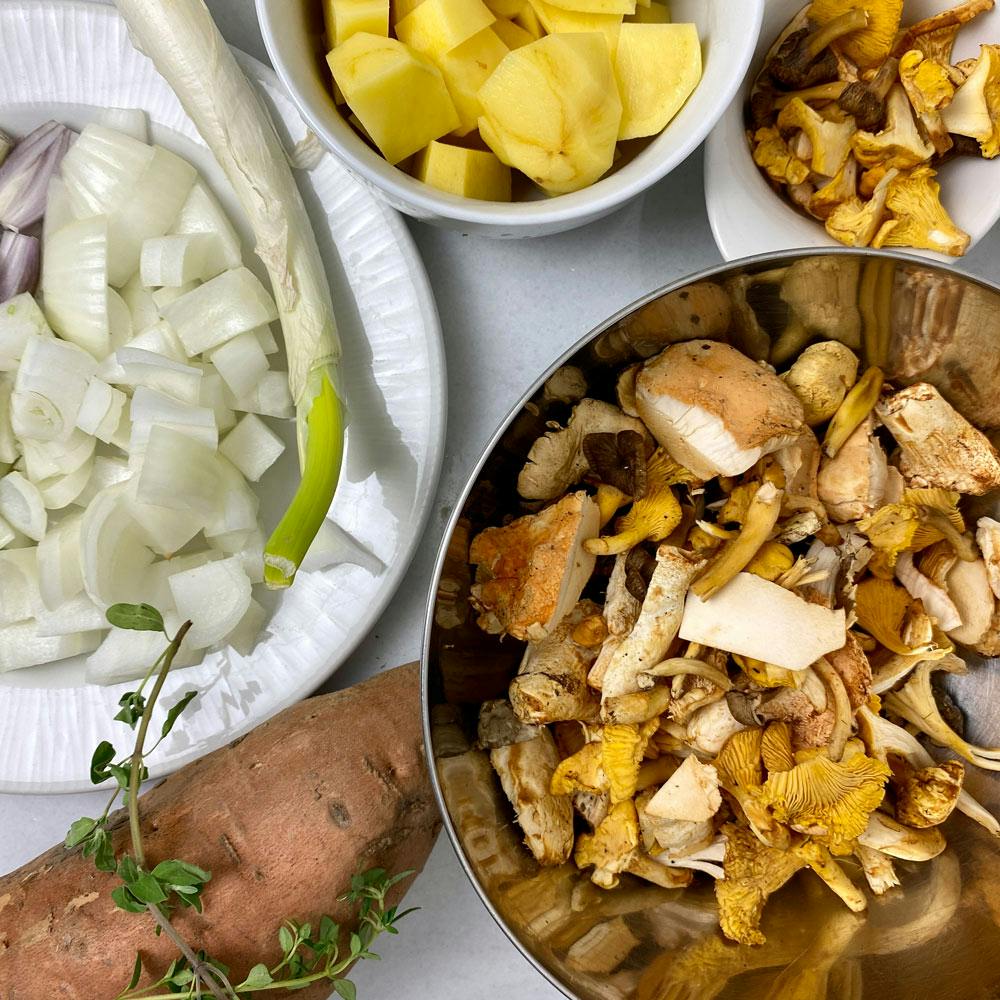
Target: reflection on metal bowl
(938,934)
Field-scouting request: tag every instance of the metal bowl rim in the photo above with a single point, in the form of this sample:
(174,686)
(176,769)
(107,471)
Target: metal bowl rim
(771,257)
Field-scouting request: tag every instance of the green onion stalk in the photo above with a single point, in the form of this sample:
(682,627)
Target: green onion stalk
(186,47)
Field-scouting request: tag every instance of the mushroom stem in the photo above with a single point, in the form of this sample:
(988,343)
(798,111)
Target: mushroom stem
(851,20)
(841,708)
(677,665)
(961,543)
(857,404)
(866,101)
(760,519)
(821,92)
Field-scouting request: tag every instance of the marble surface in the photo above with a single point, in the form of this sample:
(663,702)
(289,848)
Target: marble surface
(507,310)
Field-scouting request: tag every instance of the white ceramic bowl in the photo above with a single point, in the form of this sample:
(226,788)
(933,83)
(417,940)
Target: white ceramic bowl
(747,217)
(729,29)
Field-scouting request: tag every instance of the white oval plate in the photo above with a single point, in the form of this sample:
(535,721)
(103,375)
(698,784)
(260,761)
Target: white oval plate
(748,218)
(65,61)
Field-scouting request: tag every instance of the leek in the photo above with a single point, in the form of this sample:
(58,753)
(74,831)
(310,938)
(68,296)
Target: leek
(186,47)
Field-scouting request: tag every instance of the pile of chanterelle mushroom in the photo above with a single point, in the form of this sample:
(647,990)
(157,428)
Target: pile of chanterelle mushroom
(735,591)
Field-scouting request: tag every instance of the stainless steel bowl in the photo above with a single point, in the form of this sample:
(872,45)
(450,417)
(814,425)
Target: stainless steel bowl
(936,936)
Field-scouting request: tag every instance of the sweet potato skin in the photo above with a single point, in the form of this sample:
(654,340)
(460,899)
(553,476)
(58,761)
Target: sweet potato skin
(281,817)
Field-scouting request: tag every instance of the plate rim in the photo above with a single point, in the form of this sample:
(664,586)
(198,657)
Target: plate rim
(262,74)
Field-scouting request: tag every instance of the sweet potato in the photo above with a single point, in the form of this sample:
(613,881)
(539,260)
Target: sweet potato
(281,817)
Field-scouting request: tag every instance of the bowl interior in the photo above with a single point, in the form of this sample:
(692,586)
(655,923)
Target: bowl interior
(746,215)
(936,935)
(293,33)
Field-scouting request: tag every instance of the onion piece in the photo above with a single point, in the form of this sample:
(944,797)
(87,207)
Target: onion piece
(140,303)
(58,210)
(49,388)
(61,490)
(80,614)
(230,304)
(162,297)
(266,340)
(106,472)
(114,558)
(173,261)
(60,566)
(252,447)
(160,339)
(163,529)
(239,503)
(19,260)
(213,396)
(126,121)
(19,595)
(19,318)
(156,584)
(9,450)
(270,397)
(332,546)
(173,378)
(202,213)
(125,655)
(75,284)
(7,534)
(241,362)
(150,407)
(119,321)
(21,646)
(48,459)
(102,169)
(150,210)
(214,597)
(247,545)
(101,410)
(179,473)
(21,505)
(244,638)
(25,175)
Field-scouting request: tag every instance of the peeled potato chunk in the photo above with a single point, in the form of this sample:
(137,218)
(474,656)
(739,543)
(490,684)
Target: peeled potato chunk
(551,109)
(597,6)
(511,34)
(657,66)
(398,96)
(556,20)
(344,18)
(651,13)
(437,26)
(471,173)
(466,68)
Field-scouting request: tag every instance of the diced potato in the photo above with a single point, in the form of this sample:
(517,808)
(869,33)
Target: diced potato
(359,128)
(470,173)
(556,21)
(597,6)
(466,68)
(657,66)
(437,26)
(401,8)
(650,13)
(511,34)
(344,18)
(551,109)
(527,19)
(506,8)
(399,96)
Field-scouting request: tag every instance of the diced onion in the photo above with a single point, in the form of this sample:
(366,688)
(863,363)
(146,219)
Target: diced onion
(230,304)
(266,340)
(179,472)
(160,339)
(202,213)
(119,321)
(162,297)
(241,362)
(75,283)
(61,490)
(20,317)
(239,503)
(127,121)
(173,378)
(140,303)
(106,472)
(150,407)
(102,169)
(21,646)
(174,260)
(163,529)
(19,595)
(80,614)
(60,566)
(100,409)
(47,459)
(125,655)
(21,505)
(252,447)
(58,209)
(270,397)
(246,635)
(9,449)
(213,396)
(7,534)
(156,584)
(214,597)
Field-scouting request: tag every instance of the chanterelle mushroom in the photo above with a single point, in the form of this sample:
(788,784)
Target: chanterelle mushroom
(900,143)
(557,460)
(869,45)
(939,446)
(918,217)
(829,142)
(713,409)
(975,109)
(530,572)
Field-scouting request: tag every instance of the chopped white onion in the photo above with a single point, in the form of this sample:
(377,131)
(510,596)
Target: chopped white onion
(19,318)
(173,261)
(227,305)
(252,447)
(162,297)
(119,321)
(48,459)
(125,655)
(202,213)
(140,303)
(61,490)
(49,388)
(270,397)
(239,503)
(75,283)
(100,409)
(106,472)
(179,472)
(58,209)
(102,168)
(150,210)
(241,362)
(150,407)
(333,546)
(60,566)
(266,339)
(114,558)
(19,595)
(165,531)
(127,121)
(9,449)
(160,339)
(213,396)
(214,597)
(21,505)
(7,534)
(21,646)
(155,588)
(80,614)
(173,378)
(246,635)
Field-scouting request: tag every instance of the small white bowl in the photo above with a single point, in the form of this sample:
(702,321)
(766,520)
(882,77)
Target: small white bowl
(293,34)
(747,217)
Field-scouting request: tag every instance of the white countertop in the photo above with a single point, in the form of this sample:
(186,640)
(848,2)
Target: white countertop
(508,308)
